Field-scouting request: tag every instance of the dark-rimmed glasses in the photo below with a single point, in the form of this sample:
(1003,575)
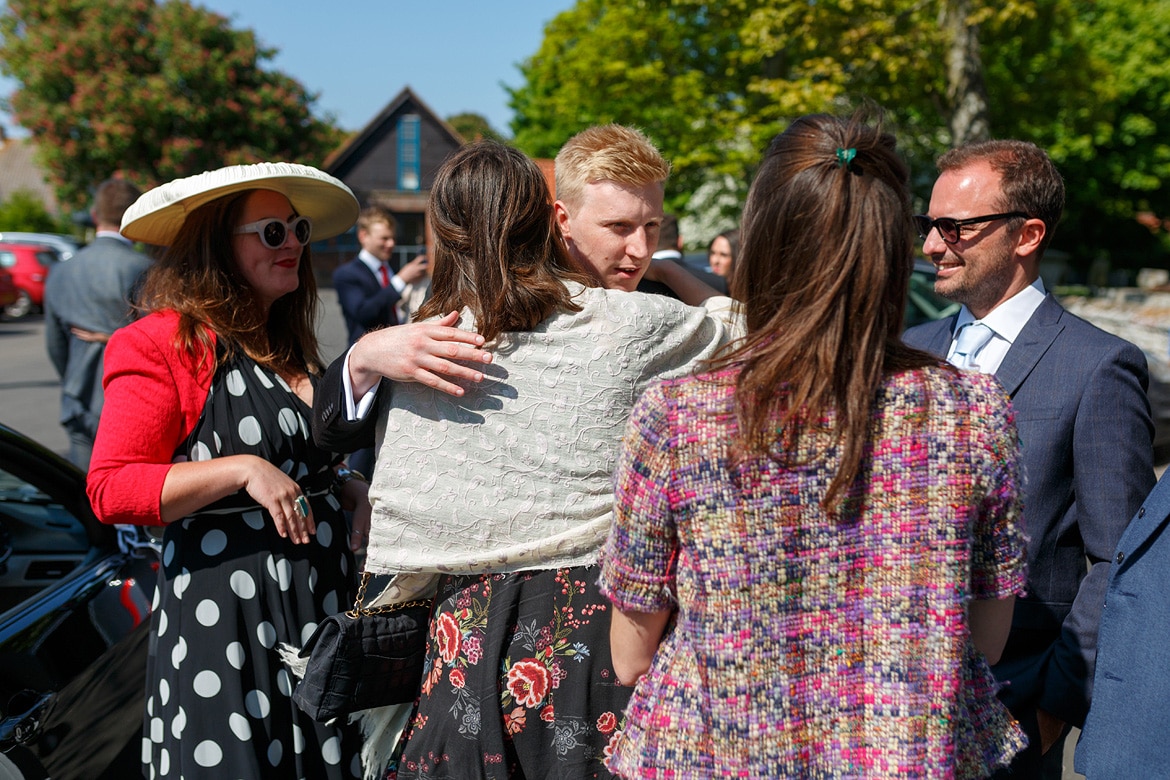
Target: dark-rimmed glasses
(950,229)
(273,232)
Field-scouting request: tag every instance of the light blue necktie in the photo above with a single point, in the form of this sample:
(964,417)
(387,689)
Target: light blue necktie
(972,337)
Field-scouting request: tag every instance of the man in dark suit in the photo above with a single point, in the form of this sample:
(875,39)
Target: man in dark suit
(370,286)
(369,289)
(1079,396)
(1125,735)
(87,298)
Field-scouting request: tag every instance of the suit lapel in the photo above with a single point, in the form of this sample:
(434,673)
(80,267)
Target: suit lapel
(940,342)
(1033,341)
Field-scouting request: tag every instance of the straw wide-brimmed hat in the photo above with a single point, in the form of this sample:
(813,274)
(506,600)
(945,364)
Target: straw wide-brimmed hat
(156,217)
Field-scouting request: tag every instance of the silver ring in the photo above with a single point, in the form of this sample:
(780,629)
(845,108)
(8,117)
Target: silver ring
(302,506)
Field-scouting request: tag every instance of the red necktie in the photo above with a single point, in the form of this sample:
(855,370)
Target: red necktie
(385,276)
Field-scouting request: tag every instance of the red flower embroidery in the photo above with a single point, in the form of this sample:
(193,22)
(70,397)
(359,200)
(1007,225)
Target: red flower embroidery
(514,721)
(547,714)
(528,682)
(457,678)
(431,679)
(448,634)
(607,722)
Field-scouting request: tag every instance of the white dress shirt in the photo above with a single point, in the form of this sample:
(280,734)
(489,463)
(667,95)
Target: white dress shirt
(1007,320)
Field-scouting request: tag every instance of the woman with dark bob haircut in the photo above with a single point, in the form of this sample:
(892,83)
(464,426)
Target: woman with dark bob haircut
(503,494)
(816,544)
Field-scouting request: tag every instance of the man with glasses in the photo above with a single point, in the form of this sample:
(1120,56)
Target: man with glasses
(1079,396)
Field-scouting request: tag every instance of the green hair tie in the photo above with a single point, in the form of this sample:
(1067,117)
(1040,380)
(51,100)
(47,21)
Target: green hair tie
(845,158)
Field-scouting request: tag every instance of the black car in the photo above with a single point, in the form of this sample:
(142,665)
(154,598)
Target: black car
(75,600)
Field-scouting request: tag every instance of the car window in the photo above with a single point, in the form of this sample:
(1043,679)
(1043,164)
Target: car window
(47,259)
(40,540)
(7,259)
(923,304)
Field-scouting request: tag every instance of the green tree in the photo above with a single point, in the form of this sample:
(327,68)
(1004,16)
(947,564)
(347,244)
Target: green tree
(153,89)
(667,68)
(24,211)
(472,126)
(712,83)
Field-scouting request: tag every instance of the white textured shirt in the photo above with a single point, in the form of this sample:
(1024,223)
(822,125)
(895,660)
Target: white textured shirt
(517,473)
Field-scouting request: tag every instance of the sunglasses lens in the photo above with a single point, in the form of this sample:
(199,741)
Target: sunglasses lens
(302,229)
(947,229)
(273,234)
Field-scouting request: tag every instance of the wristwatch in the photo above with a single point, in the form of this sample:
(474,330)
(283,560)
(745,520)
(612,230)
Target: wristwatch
(345,474)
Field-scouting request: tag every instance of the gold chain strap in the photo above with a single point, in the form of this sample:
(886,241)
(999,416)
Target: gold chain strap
(362,611)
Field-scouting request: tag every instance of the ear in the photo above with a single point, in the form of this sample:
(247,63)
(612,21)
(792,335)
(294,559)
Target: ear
(1031,235)
(561,214)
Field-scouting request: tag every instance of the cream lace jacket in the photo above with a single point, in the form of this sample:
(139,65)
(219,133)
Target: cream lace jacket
(517,474)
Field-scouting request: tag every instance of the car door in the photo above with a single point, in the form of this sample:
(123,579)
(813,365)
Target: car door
(75,601)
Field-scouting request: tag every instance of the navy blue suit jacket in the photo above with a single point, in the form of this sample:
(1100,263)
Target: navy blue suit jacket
(1079,396)
(365,303)
(1126,735)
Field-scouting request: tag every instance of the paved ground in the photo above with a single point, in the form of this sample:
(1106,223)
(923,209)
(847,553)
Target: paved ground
(30,391)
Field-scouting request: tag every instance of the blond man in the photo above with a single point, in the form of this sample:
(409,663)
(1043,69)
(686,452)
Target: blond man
(610,182)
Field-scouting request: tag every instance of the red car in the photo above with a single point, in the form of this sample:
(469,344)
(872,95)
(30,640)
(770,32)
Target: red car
(29,265)
(8,293)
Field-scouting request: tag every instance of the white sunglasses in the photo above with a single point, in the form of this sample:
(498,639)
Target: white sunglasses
(273,232)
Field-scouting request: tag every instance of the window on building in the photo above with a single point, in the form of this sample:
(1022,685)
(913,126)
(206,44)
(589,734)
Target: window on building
(408,152)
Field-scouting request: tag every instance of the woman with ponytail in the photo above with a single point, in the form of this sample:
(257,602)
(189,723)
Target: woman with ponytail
(816,544)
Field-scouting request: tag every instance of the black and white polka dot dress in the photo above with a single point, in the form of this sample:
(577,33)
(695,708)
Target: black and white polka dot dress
(218,695)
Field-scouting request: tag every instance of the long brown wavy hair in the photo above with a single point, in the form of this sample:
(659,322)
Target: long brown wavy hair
(197,276)
(823,271)
(497,249)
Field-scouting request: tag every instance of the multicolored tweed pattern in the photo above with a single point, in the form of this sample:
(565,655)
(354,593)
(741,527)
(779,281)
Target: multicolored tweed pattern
(813,645)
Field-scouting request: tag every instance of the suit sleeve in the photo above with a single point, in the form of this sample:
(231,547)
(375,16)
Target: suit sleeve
(1112,474)
(331,429)
(56,334)
(367,305)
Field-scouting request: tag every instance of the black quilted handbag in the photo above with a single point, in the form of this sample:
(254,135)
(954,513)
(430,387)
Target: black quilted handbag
(366,657)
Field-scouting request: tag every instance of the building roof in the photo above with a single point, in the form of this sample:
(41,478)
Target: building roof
(357,146)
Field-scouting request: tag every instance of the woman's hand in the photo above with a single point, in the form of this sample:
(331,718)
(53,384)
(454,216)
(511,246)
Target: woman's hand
(282,497)
(426,352)
(192,485)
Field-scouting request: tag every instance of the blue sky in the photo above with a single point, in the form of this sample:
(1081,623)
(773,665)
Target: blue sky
(357,54)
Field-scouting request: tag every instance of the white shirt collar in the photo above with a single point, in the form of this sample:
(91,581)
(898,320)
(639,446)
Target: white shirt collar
(372,262)
(114,234)
(1010,317)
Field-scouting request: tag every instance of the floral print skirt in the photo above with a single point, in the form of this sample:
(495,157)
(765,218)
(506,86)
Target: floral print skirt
(518,681)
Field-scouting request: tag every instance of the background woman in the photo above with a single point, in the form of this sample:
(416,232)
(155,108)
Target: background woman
(507,489)
(830,517)
(205,431)
(721,252)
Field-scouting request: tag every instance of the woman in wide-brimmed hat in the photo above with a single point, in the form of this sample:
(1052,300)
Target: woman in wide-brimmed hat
(205,431)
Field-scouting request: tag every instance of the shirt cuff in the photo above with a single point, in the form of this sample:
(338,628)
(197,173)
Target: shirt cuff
(356,409)
(397,283)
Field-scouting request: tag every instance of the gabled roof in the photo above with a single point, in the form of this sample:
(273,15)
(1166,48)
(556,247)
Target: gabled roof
(405,101)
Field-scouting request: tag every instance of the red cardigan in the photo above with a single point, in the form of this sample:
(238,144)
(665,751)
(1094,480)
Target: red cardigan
(154,396)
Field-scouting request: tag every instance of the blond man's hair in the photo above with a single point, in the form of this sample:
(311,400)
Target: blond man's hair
(614,153)
(372,215)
